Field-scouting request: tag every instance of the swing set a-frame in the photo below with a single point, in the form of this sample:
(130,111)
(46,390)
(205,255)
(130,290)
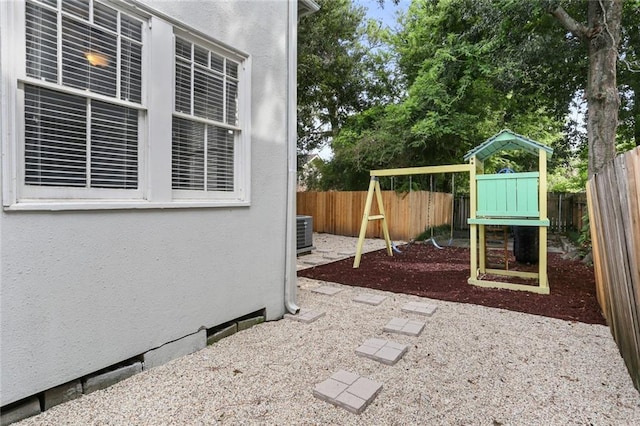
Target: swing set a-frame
(504,199)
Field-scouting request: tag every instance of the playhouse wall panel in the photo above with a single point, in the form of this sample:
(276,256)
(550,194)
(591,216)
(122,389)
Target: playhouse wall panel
(508,195)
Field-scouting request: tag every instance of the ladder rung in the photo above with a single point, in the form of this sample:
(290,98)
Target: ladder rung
(376,217)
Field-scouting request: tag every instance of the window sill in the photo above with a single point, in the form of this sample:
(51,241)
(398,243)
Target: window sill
(56,205)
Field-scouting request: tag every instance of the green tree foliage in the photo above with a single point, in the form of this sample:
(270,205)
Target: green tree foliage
(471,68)
(460,89)
(629,77)
(341,70)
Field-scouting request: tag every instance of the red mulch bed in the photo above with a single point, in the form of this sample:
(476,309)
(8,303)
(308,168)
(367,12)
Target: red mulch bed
(424,270)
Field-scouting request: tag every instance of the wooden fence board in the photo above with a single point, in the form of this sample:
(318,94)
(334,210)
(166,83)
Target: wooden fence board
(614,211)
(340,212)
(598,267)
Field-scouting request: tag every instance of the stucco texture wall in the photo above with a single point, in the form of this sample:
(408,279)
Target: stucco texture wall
(82,290)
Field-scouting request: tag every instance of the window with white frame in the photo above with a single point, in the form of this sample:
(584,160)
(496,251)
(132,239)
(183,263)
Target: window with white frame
(87,131)
(205,121)
(82,97)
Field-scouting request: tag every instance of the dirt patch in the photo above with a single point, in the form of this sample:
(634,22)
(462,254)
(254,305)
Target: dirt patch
(426,271)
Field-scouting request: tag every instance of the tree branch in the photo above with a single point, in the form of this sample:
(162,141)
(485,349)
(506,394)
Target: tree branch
(631,66)
(606,26)
(576,28)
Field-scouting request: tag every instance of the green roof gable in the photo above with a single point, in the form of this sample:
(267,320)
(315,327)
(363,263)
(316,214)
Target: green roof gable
(509,141)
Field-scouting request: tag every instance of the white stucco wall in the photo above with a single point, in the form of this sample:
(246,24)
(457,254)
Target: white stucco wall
(82,290)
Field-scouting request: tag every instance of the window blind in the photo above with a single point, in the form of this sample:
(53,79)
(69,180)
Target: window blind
(73,140)
(187,154)
(206,87)
(220,155)
(114,146)
(55,138)
(41,41)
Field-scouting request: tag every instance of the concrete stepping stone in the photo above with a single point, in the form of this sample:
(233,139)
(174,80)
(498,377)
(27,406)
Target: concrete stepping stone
(347,253)
(382,350)
(331,256)
(404,326)
(425,309)
(369,299)
(328,290)
(313,261)
(324,250)
(306,316)
(348,390)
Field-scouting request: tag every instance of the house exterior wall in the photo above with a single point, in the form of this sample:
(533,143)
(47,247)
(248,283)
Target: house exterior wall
(83,290)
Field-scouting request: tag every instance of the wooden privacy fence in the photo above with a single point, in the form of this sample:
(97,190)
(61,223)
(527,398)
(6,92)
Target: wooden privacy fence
(614,212)
(566,211)
(340,213)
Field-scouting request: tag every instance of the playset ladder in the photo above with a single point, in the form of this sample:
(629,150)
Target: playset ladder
(374,188)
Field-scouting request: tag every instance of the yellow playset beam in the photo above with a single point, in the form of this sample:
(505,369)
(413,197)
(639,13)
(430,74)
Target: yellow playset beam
(426,170)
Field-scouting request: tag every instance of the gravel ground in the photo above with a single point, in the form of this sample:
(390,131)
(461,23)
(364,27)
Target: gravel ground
(471,365)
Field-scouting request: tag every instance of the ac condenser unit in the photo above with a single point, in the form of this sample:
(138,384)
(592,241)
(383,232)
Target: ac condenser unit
(304,234)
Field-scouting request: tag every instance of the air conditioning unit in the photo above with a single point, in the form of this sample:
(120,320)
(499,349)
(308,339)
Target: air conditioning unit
(304,234)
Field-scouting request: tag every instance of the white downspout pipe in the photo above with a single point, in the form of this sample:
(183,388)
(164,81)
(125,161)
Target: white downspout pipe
(290,272)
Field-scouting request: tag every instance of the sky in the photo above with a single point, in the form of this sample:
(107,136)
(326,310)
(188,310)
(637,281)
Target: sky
(387,13)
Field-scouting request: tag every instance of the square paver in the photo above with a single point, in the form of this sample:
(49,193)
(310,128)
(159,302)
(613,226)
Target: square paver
(331,256)
(328,290)
(348,390)
(306,316)
(382,351)
(369,299)
(404,326)
(425,309)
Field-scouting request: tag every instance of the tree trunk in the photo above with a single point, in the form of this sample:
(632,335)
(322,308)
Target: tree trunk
(603,101)
(602,33)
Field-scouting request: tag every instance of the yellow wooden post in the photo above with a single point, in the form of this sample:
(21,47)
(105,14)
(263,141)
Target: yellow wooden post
(385,227)
(473,231)
(482,230)
(542,240)
(365,221)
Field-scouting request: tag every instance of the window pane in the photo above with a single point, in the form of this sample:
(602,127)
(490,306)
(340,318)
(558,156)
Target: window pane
(114,146)
(183,88)
(220,159)
(88,58)
(183,49)
(217,62)
(187,159)
(232,69)
(41,45)
(201,56)
(55,138)
(131,28)
(105,16)
(131,72)
(208,96)
(232,103)
(79,8)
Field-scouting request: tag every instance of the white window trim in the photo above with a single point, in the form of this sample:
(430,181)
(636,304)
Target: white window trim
(153,176)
